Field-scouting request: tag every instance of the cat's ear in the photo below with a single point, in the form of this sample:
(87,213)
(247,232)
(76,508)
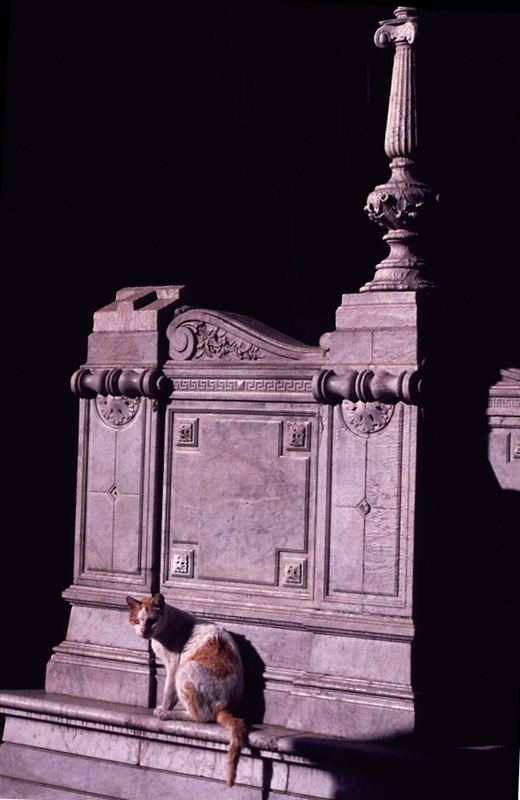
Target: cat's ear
(158,601)
(132,602)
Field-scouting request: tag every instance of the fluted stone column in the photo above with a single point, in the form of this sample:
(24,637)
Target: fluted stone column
(401,204)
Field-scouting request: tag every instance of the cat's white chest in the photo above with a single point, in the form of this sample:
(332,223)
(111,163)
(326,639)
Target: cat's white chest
(165,656)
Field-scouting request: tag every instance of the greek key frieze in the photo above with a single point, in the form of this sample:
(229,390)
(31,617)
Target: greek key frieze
(242,385)
(504,402)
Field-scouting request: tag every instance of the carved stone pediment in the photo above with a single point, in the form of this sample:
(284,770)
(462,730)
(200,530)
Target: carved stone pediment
(201,335)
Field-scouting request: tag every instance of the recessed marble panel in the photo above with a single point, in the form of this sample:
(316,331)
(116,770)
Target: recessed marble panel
(239,498)
(114,485)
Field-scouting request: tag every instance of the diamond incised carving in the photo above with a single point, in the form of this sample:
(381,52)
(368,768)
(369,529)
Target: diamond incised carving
(113,492)
(364,507)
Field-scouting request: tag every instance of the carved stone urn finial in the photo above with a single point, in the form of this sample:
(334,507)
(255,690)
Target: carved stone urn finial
(401,204)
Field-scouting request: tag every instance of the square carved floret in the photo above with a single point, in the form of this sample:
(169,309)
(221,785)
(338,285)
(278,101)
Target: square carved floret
(297,435)
(182,562)
(294,572)
(515,446)
(187,432)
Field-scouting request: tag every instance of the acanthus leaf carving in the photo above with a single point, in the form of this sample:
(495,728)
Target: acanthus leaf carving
(198,339)
(215,342)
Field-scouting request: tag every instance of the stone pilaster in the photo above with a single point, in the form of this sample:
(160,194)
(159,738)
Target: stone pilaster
(121,389)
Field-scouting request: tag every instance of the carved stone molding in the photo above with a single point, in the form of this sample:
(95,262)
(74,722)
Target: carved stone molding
(365,418)
(117,411)
(403,202)
(119,383)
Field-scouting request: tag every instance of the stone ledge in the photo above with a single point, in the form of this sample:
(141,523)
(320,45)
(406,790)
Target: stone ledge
(273,739)
(131,720)
(75,747)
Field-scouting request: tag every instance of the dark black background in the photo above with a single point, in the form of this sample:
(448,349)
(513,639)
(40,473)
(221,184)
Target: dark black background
(228,145)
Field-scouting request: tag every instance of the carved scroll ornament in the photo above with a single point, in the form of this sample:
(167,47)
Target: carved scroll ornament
(195,340)
(201,335)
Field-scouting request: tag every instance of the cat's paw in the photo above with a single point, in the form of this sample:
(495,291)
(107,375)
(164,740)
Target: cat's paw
(162,713)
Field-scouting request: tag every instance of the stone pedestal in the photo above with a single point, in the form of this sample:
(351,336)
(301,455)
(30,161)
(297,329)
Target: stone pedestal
(230,476)
(306,498)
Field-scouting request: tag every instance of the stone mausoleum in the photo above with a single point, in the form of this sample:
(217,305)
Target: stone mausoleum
(311,499)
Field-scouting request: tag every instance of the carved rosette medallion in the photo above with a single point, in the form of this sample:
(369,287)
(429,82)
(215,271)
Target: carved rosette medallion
(363,419)
(116,411)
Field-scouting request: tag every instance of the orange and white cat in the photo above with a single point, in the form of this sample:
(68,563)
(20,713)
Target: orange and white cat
(203,668)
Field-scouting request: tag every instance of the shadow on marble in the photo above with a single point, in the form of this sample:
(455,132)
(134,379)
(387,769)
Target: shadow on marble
(253,703)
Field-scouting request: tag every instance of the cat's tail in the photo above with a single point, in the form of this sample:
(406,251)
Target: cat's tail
(237,738)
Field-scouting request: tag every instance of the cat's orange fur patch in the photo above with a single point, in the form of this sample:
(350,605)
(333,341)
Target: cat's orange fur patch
(237,738)
(217,657)
(144,602)
(191,699)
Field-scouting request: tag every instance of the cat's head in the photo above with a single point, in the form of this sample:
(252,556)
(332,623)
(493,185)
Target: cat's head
(146,614)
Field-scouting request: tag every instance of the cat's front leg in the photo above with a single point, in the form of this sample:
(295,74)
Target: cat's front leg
(164,711)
